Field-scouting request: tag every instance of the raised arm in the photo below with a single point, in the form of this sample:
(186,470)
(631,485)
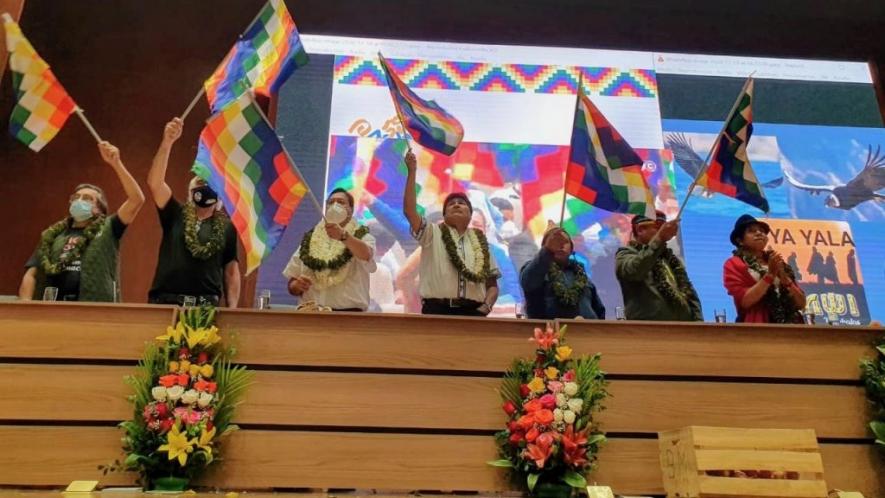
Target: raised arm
(134,195)
(410,194)
(156,179)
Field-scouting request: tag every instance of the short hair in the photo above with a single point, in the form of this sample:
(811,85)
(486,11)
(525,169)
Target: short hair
(340,190)
(102,199)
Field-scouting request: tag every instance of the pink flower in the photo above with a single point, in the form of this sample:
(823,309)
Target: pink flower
(546,338)
(188,416)
(548,401)
(569,376)
(554,385)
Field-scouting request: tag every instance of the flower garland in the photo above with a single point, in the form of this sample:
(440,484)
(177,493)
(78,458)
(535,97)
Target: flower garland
(54,266)
(568,295)
(873,377)
(670,278)
(551,437)
(325,256)
(216,240)
(481,270)
(186,391)
(780,305)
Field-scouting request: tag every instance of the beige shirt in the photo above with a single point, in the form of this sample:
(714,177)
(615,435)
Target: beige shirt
(438,277)
(352,292)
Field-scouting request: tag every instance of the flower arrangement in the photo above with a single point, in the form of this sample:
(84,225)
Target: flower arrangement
(551,439)
(186,391)
(873,377)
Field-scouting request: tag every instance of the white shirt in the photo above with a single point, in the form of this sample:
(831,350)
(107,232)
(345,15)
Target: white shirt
(438,277)
(352,292)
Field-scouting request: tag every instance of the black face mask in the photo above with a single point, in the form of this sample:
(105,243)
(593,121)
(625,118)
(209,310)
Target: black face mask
(204,196)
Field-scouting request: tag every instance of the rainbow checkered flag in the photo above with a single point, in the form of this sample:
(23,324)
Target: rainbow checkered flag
(42,104)
(730,172)
(603,170)
(242,159)
(428,123)
(262,59)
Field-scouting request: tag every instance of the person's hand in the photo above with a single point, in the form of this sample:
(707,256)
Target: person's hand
(411,161)
(668,230)
(172,132)
(556,240)
(300,285)
(335,232)
(775,264)
(485,309)
(109,153)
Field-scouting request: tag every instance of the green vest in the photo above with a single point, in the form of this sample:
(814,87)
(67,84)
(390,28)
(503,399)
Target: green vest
(99,267)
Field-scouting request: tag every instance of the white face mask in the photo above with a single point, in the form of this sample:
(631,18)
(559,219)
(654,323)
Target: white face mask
(336,213)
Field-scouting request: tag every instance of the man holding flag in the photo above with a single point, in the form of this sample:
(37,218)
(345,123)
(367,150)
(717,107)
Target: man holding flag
(653,280)
(198,252)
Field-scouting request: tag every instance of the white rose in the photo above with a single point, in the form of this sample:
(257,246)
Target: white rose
(189,397)
(568,417)
(174,392)
(570,388)
(159,393)
(205,399)
(560,400)
(557,415)
(575,404)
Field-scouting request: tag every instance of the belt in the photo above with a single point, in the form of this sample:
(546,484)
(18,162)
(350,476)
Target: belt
(348,309)
(458,302)
(165,298)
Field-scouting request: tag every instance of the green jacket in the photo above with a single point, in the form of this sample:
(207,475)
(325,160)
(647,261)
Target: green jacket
(99,267)
(642,299)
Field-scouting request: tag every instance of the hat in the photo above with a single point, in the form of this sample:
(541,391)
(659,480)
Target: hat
(640,219)
(457,195)
(660,216)
(741,225)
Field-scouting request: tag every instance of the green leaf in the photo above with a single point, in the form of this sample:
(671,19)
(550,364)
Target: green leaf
(574,479)
(596,438)
(878,428)
(503,462)
(532,480)
(881,349)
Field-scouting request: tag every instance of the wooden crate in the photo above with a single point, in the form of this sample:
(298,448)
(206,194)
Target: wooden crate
(698,462)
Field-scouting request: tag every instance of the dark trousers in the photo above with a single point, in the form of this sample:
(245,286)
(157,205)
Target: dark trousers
(452,307)
(178,299)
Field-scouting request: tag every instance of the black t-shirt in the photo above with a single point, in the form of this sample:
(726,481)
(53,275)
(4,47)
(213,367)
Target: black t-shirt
(68,279)
(178,271)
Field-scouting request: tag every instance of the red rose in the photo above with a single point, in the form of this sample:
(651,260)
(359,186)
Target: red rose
(183,353)
(512,426)
(209,426)
(544,417)
(548,401)
(525,422)
(213,387)
(202,358)
(569,376)
(540,359)
(524,390)
(516,438)
(532,406)
(166,425)
(532,434)
(162,410)
(201,385)
(183,379)
(509,408)
(168,380)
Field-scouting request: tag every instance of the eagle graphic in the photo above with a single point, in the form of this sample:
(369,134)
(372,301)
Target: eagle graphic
(860,189)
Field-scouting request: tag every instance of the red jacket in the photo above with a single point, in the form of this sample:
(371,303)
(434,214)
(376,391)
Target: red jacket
(737,279)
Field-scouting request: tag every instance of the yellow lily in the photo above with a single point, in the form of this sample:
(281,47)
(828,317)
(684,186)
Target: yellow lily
(184,366)
(173,366)
(551,372)
(536,385)
(205,442)
(195,336)
(178,446)
(563,353)
(211,337)
(173,333)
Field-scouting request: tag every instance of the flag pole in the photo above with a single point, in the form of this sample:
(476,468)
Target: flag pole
(565,176)
(399,115)
(87,124)
(202,91)
(706,164)
(313,197)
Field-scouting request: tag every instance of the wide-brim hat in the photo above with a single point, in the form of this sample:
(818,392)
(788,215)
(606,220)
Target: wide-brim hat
(741,225)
